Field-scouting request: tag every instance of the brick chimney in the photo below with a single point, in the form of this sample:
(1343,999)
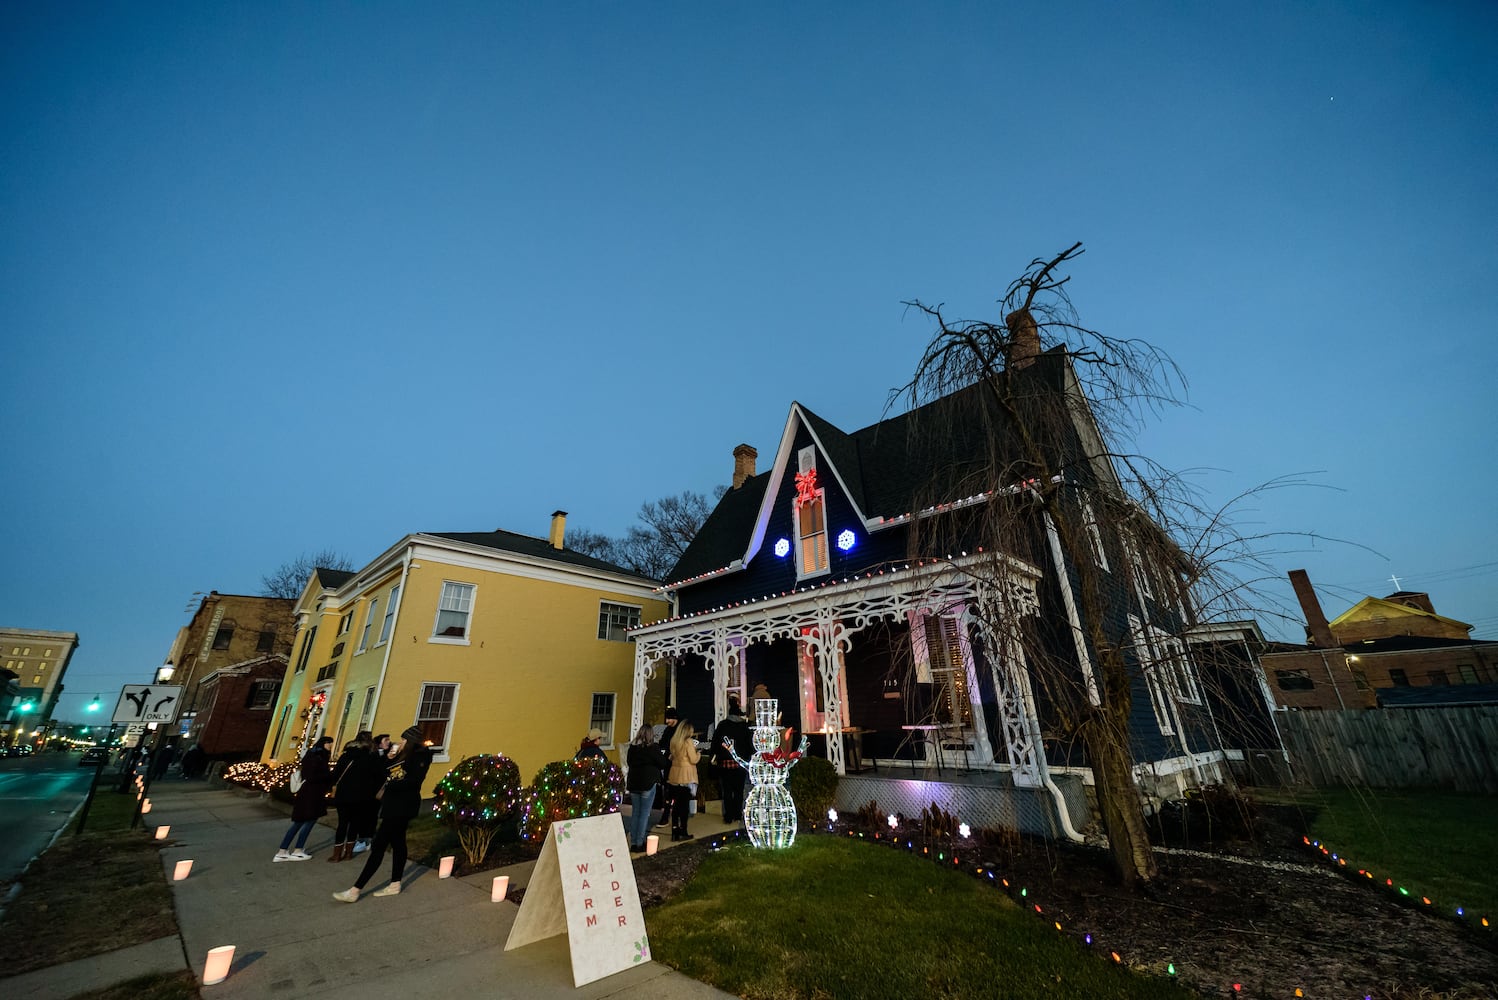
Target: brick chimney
(1317,628)
(743,464)
(558,528)
(1024,339)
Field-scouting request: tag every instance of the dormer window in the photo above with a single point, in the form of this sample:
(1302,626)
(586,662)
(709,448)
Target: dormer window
(811,518)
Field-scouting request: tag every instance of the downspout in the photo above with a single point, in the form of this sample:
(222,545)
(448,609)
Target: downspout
(1073,619)
(1063,813)
(394,626)
(1332,677)
(1268,703)
(1171,708)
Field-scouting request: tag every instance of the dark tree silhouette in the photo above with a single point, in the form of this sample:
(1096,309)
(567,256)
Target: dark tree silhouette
(289,578)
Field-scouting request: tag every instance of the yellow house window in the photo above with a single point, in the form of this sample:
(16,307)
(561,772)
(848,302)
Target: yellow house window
(454,610)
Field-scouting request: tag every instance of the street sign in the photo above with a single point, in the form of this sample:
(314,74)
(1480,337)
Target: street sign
(144,703)
(133,735)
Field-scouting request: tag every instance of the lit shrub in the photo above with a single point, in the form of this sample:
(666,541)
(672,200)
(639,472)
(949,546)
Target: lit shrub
(477,798)
(570,789)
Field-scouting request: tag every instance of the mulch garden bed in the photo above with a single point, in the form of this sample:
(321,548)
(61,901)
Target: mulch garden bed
(1255,914)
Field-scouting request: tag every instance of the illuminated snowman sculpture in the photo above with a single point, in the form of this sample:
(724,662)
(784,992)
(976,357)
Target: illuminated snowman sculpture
(769,810)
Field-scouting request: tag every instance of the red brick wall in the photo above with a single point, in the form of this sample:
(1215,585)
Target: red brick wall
(230,729)
(1333,672)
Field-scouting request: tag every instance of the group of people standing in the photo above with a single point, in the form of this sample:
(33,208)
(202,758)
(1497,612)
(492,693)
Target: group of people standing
(662,768)
(376,788)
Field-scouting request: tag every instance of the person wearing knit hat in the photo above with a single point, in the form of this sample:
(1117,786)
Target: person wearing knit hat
(400,801)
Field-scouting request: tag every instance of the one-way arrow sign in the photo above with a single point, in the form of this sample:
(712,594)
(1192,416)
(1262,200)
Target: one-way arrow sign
(143,703)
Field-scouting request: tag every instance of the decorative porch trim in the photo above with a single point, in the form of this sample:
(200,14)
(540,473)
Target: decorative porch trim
(827,617)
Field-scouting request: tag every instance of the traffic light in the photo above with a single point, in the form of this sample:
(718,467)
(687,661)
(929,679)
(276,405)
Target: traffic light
(27,706)
(94,705)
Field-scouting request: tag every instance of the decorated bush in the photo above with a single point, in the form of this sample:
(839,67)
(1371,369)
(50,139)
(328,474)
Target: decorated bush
(477,798)
(253,774)
(570,789)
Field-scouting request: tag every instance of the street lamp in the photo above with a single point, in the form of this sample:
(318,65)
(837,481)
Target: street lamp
(164,673)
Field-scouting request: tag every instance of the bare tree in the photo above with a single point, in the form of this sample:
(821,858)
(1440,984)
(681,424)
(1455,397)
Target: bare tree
(652,547)
(1041,400)
(289,578)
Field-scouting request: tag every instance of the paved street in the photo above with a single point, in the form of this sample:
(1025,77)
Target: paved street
(37,794)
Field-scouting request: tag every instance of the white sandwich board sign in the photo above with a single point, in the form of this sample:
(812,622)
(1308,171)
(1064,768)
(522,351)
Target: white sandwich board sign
(146,703)
(583,885)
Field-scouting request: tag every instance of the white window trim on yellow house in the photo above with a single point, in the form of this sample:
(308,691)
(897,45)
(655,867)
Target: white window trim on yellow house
(419,568)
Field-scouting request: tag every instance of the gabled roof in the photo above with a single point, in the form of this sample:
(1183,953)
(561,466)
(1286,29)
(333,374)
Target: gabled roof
(889,470)
(1375,608)
(535,548)
(332,579)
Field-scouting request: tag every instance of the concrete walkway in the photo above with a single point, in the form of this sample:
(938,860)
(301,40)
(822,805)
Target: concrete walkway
(438,937)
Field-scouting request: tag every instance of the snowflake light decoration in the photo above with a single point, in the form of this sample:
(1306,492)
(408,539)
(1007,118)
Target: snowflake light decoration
(782,547)
(845,540)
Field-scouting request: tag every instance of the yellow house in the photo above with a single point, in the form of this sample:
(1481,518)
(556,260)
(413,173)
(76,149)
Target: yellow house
(491,642)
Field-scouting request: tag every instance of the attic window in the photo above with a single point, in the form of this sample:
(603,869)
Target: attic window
(811,519)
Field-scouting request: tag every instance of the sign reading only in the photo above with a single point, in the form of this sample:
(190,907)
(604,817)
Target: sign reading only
(145,703)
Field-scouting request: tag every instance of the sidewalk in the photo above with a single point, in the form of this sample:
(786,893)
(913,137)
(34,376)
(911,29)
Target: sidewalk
(438,937)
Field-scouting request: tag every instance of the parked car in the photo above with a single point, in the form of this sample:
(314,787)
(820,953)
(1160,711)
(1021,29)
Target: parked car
(19,750)
(94,756)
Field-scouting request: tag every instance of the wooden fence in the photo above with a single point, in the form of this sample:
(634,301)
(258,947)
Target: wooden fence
(1451,748)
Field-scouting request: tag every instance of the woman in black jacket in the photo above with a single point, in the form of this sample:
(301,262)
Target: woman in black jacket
(310,803)
(357,778)
(647,764)
(400,801)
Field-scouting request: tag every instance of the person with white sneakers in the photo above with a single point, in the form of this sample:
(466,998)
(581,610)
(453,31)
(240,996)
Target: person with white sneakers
(400,801)
(311,801)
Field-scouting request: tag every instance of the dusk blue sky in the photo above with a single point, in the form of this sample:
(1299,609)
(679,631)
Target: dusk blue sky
(282,278)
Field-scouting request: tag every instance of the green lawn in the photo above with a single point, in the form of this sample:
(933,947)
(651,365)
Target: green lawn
(1435,844)
(837,917)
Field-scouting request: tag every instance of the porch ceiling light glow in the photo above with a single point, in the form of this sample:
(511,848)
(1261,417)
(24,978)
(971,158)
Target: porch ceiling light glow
(845,540)
(783,547)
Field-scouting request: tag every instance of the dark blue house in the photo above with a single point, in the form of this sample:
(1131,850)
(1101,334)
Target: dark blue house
(847,579)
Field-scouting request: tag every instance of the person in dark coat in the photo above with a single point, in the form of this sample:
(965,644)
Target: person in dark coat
(357,778)
(732,736)
(365,827)
(192,761)
(590,747)
(311,801)
(400,801)
(647,764)
(663,740)
(163,761)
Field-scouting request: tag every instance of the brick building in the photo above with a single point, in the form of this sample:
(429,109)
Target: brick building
(1380,643)
(222,658)
(235,705)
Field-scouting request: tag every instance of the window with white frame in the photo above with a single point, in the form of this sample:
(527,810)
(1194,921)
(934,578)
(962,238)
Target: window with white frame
(263,694)
(307,638)
(811,517)
(367,712)
(1094,536)
(601,716)
(343,718)
(369,619)
(1168,673)
(389,622)
(1140,574)
(345,623)
(453,611)
(434,714)
(614,620)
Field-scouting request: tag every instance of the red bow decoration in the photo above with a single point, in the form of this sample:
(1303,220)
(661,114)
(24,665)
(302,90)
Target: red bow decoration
(779,759)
